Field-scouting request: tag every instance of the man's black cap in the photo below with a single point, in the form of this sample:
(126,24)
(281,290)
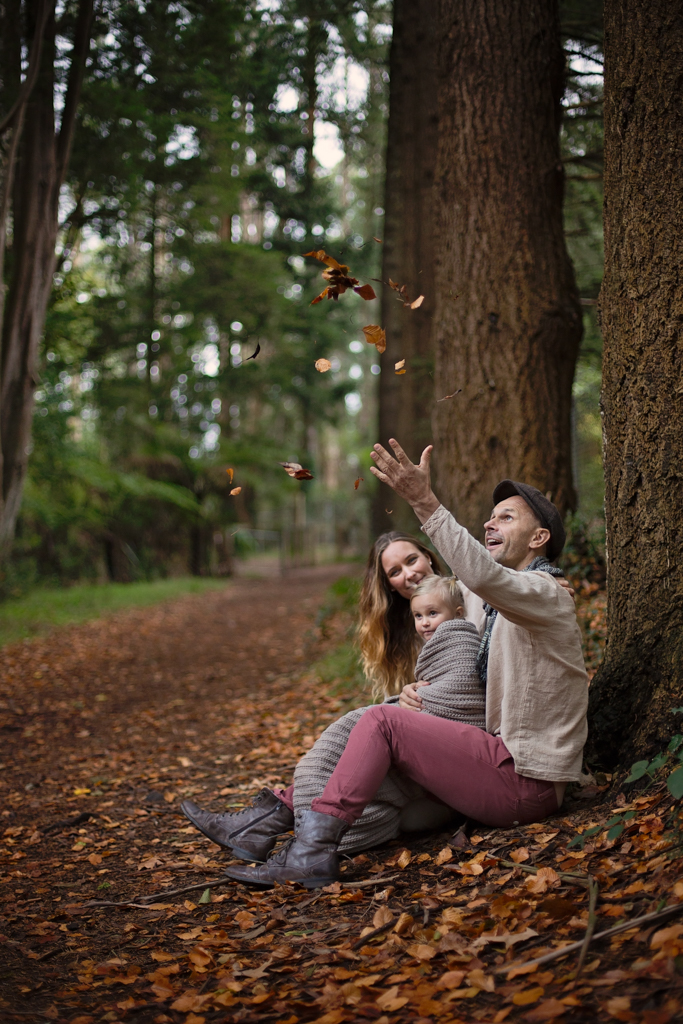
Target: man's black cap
(544,510)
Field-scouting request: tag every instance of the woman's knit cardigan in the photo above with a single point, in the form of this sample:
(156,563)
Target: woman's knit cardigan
(447,662)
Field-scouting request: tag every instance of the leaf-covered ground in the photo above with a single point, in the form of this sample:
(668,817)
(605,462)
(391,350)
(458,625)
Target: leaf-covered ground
(114,722)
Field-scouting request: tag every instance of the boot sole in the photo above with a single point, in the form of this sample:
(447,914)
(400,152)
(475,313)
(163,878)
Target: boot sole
(307,883)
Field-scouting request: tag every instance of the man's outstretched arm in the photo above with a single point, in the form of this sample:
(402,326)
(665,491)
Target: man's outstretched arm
(411,482)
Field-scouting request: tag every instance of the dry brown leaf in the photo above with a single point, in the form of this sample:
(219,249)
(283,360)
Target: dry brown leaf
(339,279)
(357,483)
(323,365)
(296,471)
(527,996)
(549,1009)
(403,859)
(418,302)
(449,396)
(375,335)
(236,490)
(520,855)
(404,924)
(421,951)
(390,1000)
(399,367)
(443,856)
(230,473)
(381,917)
(375,239)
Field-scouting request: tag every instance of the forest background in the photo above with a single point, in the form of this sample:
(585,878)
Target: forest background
(216,143)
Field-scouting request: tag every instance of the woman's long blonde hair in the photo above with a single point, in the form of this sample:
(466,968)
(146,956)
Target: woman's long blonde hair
(389,644)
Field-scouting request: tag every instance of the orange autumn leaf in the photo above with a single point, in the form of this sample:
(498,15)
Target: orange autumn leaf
(230,473)
(444,856)
(366,291)
(529,995)
(402,292)
(236,490)
(375,335)
(296,471)
(357,483)
(323,365)
(403,859)
(520,855)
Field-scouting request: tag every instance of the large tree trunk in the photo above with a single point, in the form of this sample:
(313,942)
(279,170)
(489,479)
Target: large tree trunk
(508,320)
(406,401)
(641,678)
(42,157)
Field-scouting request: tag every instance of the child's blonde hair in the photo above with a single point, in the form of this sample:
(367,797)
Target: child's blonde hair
(447,587)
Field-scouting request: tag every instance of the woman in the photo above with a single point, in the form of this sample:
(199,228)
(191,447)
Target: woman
(389,647)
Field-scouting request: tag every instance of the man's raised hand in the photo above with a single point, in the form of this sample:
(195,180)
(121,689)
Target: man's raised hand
(410,482)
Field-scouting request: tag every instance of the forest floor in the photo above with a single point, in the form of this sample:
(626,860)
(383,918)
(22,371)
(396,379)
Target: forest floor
(106,726)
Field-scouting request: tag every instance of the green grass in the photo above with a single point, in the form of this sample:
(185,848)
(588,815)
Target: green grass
(43,610)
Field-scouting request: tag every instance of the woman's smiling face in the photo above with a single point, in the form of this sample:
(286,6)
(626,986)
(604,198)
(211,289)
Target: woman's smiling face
(404,566)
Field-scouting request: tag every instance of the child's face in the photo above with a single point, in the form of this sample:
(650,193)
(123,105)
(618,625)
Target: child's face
(429,611)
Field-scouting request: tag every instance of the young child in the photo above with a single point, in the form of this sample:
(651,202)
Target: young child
(448,659)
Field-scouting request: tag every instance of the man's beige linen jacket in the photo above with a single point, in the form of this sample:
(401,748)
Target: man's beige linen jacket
(537,689)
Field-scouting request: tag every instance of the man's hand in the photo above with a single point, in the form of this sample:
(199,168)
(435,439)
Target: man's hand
(410,698)
(567,586)
(409,481)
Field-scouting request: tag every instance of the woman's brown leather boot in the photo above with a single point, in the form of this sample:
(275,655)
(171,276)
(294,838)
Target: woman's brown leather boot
(310,859)
(251,833)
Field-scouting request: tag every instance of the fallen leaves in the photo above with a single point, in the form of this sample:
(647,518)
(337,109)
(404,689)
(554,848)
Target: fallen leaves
(375,335)
(339,279)
(296,471)
(323,365)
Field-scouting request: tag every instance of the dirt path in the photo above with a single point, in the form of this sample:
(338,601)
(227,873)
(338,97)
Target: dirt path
(118,720)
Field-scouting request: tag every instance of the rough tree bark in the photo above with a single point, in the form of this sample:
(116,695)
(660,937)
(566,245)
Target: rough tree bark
(406,401)
(641,302)
(507,320)
(41,156)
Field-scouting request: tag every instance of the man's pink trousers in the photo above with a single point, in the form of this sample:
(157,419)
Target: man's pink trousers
(466,767)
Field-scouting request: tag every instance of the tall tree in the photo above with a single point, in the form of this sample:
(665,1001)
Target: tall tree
(641,678)
(37,162)
(507,317)
(406,401)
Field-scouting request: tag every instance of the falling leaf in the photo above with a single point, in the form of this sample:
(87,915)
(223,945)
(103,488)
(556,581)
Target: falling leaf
(339,279)
(399,367)
(449,396)
(323,365)
(254,353)
(375,239)
(357,483)
(375,335)
(402,292)
(231,473)
(295,470)
(389,511)
(236,490)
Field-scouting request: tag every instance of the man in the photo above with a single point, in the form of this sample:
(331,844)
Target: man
(515,772)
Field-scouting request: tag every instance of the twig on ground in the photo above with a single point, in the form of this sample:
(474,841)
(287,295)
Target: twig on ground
(69,822)
(579,879)
(369,881)
(155,897)
(658,915)
(592,920)
(374,933)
